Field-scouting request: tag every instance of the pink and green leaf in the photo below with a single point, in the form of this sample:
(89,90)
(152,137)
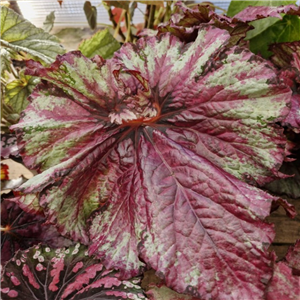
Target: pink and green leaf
(153,147)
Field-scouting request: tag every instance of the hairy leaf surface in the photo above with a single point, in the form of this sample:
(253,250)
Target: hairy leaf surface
(65,273)
(152,146)
(22,36)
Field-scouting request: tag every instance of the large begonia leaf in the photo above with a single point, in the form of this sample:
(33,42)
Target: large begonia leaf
(152,140)
(21,230)
(22,36)
(44,273)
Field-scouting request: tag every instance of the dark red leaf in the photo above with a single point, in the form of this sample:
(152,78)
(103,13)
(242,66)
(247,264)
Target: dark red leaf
(20,230)
(44,273)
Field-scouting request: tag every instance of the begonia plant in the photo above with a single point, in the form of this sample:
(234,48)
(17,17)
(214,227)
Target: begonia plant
(158,158)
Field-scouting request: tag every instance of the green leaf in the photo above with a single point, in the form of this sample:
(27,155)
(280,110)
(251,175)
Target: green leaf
(5,56)
(49,22)
(285,30)
(260,26)
(17,91)
(236,5)
(101,43)
(91,14)
(20,35)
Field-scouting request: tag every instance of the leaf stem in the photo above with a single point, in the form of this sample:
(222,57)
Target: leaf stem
(14,71)
(115,25)
(128,35)
(151,16)
(118,29)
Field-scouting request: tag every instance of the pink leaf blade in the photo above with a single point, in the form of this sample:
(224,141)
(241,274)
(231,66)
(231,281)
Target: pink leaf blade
(188,235)
(121,224)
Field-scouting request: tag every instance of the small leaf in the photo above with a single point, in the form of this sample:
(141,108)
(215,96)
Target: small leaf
(45,273)
(17,91)
(101,43)
(91,14)
(49,22)
(20,35)
(236,6)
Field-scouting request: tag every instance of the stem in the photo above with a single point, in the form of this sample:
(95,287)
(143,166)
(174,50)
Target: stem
(14,71)
(128,36)
(115,25)
(118,29)
(151,17)
(1,103)
(7,109)
(147,16)
(160,16)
